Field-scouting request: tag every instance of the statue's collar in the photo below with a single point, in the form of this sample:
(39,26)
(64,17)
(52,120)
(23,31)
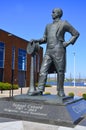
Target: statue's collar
(56,20)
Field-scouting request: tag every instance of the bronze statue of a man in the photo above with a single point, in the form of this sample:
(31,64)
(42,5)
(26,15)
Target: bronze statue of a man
(56,49)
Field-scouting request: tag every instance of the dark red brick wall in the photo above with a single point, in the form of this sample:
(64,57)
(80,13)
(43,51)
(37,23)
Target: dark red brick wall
(17,42)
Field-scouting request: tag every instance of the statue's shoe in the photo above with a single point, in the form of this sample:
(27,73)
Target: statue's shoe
(35,93)
(61,93)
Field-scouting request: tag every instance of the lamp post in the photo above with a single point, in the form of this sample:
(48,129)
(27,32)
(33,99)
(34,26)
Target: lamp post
(32,49)
(12,79)
(74,68)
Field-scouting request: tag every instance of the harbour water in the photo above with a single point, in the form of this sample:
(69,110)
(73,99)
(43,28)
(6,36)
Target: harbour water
(69,83)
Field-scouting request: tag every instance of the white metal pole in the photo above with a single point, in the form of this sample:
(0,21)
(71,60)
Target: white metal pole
(74,69)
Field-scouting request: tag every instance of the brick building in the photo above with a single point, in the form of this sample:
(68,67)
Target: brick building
(14,60)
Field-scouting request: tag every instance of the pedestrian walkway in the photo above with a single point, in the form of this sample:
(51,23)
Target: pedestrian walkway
(78,91)
(26,125)
(8,93)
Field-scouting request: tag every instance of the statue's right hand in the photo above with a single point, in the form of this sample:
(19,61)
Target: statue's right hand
(32,40)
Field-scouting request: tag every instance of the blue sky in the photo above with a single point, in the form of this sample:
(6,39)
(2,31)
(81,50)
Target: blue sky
(28,18)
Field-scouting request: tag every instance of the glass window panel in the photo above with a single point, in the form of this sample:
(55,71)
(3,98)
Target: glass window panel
(1,64)
(1,55)
(22,60)
(13,57)
(1,45)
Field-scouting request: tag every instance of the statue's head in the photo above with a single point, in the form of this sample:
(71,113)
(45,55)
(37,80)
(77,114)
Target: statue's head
(57,13)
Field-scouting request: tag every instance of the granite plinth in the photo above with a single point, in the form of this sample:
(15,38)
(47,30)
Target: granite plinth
(44,109)
(45,98)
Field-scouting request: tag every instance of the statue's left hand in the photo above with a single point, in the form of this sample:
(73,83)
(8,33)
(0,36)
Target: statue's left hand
(65,44)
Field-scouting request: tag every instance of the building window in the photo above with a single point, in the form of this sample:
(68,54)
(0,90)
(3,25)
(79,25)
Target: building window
(22,56)
(13,58)
(2,55)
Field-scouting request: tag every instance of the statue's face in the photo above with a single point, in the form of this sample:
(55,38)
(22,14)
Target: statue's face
(55,14)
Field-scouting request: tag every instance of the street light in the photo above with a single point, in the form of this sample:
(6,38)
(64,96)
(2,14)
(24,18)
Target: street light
(74,68)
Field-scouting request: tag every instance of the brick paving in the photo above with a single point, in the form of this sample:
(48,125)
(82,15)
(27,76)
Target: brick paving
(78,91)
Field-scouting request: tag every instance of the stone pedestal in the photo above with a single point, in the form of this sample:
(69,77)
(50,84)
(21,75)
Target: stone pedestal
(48,109)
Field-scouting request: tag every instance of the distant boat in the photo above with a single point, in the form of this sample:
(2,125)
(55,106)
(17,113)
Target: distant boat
(84,83)
(73,81)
